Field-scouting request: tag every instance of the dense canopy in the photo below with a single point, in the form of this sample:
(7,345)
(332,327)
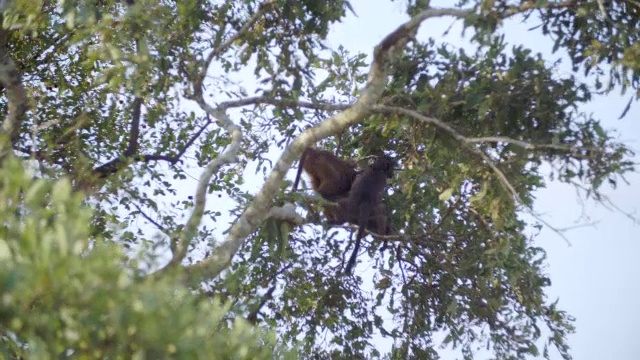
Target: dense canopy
(130,129)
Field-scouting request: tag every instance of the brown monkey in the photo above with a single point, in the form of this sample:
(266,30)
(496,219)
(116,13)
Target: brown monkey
(365,195)
(330,176)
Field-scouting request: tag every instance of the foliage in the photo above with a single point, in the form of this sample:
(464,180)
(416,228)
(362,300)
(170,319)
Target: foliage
(129,99)
(64,293)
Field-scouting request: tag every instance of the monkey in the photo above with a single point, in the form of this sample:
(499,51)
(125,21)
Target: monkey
(365,195)
(331,176)
(343,212)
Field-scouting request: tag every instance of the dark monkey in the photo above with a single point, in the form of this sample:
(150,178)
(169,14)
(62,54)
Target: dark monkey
(366,195)
(330,176)
(344,212)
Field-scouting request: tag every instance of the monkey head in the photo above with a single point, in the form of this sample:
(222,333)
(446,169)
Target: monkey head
(384,164)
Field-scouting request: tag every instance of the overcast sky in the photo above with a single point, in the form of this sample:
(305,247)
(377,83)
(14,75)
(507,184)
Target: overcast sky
(596,278)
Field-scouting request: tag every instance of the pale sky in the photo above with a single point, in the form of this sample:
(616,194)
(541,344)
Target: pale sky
(596,278)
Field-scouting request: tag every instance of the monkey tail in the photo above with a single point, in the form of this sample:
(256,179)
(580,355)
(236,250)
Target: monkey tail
(363,217)
(302,158)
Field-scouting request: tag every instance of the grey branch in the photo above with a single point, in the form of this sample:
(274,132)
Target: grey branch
(229,156)
(468,143)
(529,146)
(284,103)
(286,212)
(391,47)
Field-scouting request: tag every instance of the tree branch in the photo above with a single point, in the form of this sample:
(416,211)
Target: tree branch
(262,9)
(286,212)
(283,102)
(152,221)
(17,107)
(116,164)
(391,47)
(134,134)
(533,4)
(469,145)
(575,150)
(228,156)
(253,315)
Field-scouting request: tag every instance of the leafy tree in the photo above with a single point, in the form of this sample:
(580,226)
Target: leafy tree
(122,101)
(66,292)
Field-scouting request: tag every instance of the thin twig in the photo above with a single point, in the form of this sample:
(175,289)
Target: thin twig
(529,146)
(262,9)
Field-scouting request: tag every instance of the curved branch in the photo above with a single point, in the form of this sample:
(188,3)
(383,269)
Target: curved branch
(391,47)
(469,145)
(227,157)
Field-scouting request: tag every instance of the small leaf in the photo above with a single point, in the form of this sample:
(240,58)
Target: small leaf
(446,195)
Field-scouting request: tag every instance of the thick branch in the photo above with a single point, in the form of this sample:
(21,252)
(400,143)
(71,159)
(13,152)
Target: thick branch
(134,133)
(286,212)
(10,79)
(387,50)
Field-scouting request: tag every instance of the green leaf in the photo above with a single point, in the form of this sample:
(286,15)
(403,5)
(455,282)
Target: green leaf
(446,195)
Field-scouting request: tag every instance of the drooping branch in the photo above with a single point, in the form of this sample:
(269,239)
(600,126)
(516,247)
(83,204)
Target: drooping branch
(469,146)
(391,47)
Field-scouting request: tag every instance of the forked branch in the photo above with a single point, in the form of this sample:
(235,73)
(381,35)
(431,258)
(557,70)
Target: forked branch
(390,48)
